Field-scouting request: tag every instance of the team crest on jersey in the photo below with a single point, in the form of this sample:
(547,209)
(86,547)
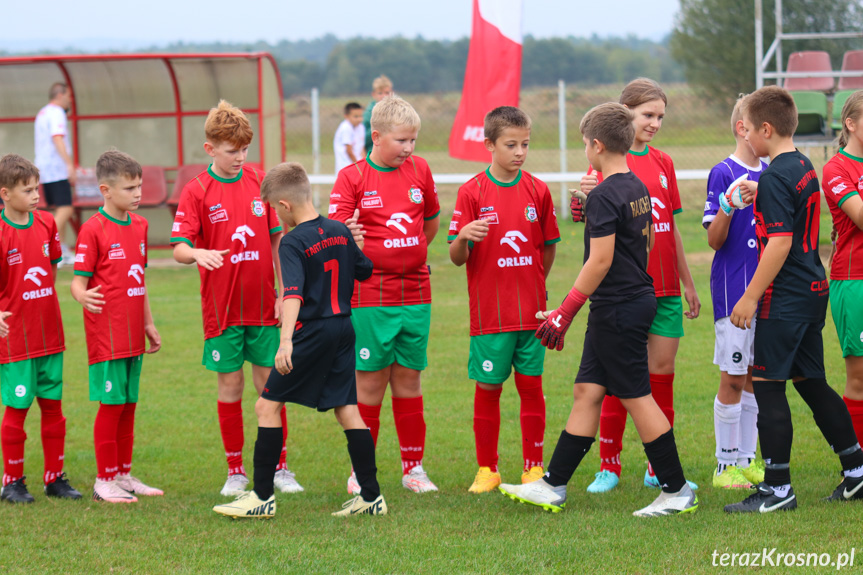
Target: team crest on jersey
(415,195)
(530,214)
(142,248)
(663,180)
(45,249)
(257,207)
(860,184)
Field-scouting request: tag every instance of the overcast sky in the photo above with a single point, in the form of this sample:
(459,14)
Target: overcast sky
(100,24)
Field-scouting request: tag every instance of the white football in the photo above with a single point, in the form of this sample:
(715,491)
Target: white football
(734,194)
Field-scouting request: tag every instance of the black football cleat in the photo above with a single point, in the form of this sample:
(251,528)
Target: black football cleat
(16,492)
(61,489)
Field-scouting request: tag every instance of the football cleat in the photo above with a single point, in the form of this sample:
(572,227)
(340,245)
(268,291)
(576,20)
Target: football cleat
(851,488)
(417,480)
(235,485)
(353,484)
(486,480)
(764,500)
(61,489)
(135,485)
(286,482)
(538,493)
(754,472)
(652,481)
(16,492)
(111,492)
(731,478)
(359,506)
(684,501)
(248,505)
(532,474)
(605,481)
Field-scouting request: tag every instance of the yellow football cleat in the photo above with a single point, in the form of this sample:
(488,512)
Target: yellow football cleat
(532,474)
(731,478)
(486,480)
(359,506)
(248,505)
(755,472)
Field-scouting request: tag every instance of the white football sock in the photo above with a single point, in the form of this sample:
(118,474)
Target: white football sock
(726,424)
(748,427)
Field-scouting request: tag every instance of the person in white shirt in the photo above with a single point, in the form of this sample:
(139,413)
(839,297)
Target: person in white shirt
(54,159)
(349,142)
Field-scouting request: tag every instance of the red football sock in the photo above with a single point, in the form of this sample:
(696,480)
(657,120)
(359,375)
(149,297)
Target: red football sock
(532,413)
(126,438)
(53,437)
(371,415)
(231,425)
(12,438)
(612,424)
(486,425)
(283,458)
(105,431)
(411,429)
(661,386)
(855,408)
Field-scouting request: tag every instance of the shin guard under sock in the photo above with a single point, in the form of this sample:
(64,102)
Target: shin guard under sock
(268,446)
(855,410)
(568,453)
(612,424)
(283,458)
(411,430)
(775,431)
(12,438)
(371,415)
(662,389)
(105,430)
(361,448)
(126,438)
(532,416)
(663,457)
(53,437)
(486,425)
(231,426)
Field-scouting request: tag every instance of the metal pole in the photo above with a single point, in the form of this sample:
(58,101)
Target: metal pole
(316,141)
(759,45)
(561,123)
(779,81)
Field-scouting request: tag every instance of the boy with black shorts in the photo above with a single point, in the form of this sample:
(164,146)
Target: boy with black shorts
(504,228)
(224,227)
(315,363)
(110,264)
(618,237)
(31,331)
(790,293)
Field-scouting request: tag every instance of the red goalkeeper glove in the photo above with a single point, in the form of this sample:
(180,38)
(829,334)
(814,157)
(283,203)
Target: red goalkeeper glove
(576,205)
(554,328)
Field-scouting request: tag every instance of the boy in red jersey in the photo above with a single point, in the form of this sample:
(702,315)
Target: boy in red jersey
(392,196)
(220,213)
(668,268)
(109,283)
(31,331)
(843,183)
(504,227)
(789,292)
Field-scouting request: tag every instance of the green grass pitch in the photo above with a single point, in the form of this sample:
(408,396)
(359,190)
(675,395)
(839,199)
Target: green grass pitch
(178,449)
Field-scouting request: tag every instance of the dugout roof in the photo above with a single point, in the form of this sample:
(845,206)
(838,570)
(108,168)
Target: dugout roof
(149,105)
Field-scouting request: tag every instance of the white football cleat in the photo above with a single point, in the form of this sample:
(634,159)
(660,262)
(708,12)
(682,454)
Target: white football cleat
(235,485)
(417,480)
(286,482)
(135,485)
(111,492)
(537,493)
(684,501)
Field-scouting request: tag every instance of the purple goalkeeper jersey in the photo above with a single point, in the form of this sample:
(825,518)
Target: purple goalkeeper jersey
(735,262)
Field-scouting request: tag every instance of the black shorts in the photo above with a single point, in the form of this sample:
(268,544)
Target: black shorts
(58,194)
(788,349)
(324,362)
(615,347)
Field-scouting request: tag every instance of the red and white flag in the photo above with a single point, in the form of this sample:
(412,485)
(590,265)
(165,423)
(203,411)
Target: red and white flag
(492,77)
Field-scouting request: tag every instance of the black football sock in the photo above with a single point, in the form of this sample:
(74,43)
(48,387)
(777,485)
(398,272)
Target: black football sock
(663,457)
(361,448)
(268,449)
(832,418)
(775,431)
(568,453)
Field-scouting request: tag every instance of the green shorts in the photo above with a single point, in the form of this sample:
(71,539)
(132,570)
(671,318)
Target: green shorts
(256,344)
(21,381)
(846,304)
(492,356)
(116,381)
(392,334)
(669,317)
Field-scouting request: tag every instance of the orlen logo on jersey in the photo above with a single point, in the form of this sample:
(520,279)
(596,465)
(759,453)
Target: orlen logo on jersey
(509,240)
(137,273)
(659,226)
(395,221)
(35,275)
(240,235)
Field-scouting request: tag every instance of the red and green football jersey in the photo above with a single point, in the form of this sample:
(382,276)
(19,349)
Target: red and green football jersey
(220,214)
(27,253)
(505,273)
(394,204)
(656,171)
(113,254)
(843,178)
